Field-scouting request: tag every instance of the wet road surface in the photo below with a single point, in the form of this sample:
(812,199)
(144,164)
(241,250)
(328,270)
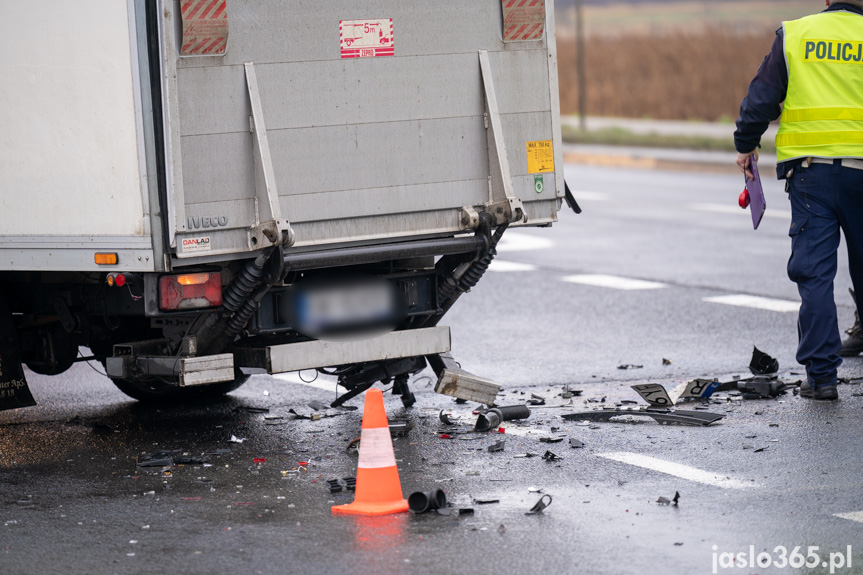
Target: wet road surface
(784,472)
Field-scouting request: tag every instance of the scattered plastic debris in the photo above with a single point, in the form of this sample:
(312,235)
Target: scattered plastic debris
(485,501)
(575,443)
(447,418)
(662,416)
(525,456)
(497,446)
(251,409)
(667,501)
(627,366)
(158,459)
(551,439)
(536,400)
(235,439)
(445,436)
(343,484)
(551,456)
(666,361)
(541,505)
(762,364)
(318,406)
(455,511)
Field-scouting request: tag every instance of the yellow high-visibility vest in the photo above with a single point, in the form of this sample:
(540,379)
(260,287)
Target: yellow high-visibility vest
(823,112)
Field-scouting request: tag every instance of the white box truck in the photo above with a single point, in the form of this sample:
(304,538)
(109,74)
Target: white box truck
(195,189)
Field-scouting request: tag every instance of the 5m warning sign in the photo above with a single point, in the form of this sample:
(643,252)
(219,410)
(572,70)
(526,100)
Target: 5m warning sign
(540,157)
(367,38)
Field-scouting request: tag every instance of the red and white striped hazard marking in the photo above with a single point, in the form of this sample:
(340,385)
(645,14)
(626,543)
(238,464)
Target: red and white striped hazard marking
(523,20)
(367,38)
(205,27)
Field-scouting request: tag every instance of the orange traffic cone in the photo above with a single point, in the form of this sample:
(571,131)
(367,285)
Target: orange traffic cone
(379,491)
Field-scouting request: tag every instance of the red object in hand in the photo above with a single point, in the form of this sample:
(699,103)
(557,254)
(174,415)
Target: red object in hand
(744,200)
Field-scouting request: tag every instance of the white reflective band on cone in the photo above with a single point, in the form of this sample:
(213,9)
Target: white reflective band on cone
(376,449)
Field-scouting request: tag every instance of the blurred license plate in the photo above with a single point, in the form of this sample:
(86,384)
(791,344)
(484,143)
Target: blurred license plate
(356,305)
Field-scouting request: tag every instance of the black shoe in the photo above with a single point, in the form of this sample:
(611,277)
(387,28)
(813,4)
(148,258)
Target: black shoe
(853,345)
(825,392)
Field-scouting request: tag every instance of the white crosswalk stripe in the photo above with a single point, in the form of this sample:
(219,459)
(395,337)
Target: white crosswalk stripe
(613,282)
(505,266)
(853,516)
(755,302)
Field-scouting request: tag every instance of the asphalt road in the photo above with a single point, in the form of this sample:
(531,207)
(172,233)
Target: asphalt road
(782,472)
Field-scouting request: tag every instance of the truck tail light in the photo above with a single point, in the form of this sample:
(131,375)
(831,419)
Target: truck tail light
(190,291)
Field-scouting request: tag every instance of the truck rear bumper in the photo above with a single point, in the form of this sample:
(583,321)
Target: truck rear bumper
(315,354)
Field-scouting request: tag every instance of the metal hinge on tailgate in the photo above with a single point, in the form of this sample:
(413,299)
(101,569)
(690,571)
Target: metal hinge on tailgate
(276,230)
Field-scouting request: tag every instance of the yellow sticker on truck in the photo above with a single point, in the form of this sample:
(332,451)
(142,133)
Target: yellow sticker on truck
(540,157)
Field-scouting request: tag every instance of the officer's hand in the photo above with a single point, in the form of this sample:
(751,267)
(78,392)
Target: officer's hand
(744,165)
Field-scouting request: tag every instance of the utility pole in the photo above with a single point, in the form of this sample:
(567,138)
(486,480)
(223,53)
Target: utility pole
(579,47)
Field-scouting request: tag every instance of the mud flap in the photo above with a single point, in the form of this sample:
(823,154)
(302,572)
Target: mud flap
(14,392)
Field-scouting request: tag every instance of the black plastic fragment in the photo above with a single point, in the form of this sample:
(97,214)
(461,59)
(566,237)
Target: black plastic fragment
(551,456)
(158,459)
(455,511)
(762,364)
(497,446)
(343,484)
(575,443)
(541,505)
(551,439)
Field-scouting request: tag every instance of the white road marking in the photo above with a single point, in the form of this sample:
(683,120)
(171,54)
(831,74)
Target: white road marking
(613,282)
(729,209)
(678,470)
(520,242)
(853,516)
(505,266)
(590,196)
(319,383)
(780,305)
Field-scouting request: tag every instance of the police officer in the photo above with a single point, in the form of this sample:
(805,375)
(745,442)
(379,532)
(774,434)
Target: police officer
(816,68)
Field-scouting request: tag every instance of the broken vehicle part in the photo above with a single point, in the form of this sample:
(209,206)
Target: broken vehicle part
(551,439)
(763,364)
(541,505)
(551,456)
(447,418)
(667,501)
(662,416)
(422,501)
(654,394)
(495,416)
(455,511)
(454,381)
(497,446)
(758,387)
(575,443)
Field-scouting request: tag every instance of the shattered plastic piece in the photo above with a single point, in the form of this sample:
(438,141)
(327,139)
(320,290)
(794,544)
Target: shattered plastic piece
(343,484)
(536,400)
(259,460)
(455,511)
(654,394)
(189,460)
(497,446)
(525,456)
(575,443)
(540,505)
(235,439)
(446,418)
(534,490)
(400,427)
(551,456)
(762,364)
(760,449)
(551,439)
(667,501)
(666,361)
(629,366)
(664,416)
(318,406)
(159,459)
(485,501)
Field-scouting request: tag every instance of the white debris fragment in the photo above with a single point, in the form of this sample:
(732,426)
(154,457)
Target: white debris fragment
(235,439)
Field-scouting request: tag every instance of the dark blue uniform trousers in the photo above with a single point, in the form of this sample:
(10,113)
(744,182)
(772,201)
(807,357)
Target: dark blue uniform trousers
(824,198)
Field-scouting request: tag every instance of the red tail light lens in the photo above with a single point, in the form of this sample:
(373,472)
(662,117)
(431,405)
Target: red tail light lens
(190,291)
